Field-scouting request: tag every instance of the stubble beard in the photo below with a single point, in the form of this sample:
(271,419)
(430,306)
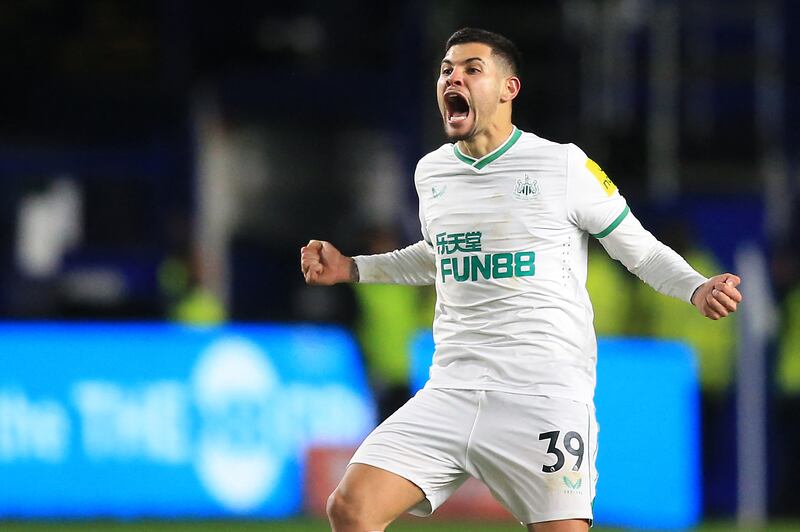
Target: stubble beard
(463,136)
(457,138)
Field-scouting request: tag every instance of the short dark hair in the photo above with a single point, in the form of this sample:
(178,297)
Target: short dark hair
(500,45)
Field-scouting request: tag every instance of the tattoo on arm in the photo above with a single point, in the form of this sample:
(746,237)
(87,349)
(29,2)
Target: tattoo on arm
(353,271)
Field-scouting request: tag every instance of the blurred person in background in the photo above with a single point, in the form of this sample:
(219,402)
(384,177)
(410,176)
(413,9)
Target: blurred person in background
(180,280)
(506,217)
(388,317)
(187,300)
(714,346)
(611,293)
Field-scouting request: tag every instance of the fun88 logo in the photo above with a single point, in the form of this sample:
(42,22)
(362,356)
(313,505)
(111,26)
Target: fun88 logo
(480,266)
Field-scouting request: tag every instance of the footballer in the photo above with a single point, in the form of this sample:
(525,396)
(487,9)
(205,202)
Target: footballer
(506,217)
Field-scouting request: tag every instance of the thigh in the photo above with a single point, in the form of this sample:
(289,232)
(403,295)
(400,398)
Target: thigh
(537,456)
(424,442)
(379,496)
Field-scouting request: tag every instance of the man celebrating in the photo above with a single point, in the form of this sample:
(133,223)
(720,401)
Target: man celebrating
(506,217)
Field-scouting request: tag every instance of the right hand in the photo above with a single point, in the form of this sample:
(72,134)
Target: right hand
(323,264)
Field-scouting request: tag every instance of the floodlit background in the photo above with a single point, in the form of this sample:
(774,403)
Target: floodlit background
(161,163)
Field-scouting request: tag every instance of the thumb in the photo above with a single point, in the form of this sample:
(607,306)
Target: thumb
(731,280)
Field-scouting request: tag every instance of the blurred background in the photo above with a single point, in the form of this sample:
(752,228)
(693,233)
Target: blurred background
(161,163)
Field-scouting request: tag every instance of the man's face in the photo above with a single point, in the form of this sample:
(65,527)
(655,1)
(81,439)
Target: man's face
(469,89)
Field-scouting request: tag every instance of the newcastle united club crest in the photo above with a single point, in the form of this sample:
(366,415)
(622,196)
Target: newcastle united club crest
(526,188)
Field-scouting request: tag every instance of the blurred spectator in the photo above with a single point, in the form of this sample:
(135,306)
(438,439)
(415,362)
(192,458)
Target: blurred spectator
(180,280)
(188,301)
(714,343)
(611,291)
(388,317)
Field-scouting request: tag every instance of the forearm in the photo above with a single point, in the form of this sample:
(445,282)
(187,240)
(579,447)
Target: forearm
(650,260)
(670,274)
(413,265)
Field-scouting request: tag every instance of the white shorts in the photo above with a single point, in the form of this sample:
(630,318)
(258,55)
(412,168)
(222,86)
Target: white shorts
(535,453)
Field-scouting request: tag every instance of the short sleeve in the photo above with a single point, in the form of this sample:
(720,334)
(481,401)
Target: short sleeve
(593,202)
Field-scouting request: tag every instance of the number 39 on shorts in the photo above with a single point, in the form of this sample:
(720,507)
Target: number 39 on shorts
(572,443)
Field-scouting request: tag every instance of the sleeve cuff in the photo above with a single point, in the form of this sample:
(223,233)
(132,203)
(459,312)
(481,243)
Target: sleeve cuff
(696,282)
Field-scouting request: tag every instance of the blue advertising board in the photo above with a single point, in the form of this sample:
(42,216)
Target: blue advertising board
(170,421)
(649,441)
(125,420)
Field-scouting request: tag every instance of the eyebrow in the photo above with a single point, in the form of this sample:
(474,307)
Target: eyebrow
(464,61)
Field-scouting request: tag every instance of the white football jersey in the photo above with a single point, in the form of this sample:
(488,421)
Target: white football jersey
(508,234)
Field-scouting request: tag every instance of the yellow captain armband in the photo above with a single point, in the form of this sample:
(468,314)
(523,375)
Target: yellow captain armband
(601,177)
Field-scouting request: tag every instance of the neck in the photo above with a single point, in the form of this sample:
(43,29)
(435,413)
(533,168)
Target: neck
(486,141)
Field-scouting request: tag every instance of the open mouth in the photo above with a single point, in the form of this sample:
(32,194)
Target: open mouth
(456,106)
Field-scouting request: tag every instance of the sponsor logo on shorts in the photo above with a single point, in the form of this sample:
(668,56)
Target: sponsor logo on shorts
(570,483)
(574,485)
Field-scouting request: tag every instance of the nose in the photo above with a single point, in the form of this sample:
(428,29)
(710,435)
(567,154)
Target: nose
(455,78)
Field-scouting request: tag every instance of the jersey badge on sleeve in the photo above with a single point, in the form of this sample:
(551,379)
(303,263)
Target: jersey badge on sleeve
(525,188)
(601,177)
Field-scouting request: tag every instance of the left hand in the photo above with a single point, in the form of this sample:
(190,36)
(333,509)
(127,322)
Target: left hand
(718,297)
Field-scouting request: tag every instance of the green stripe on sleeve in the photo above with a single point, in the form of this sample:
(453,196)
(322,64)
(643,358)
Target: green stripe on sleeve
(607,231)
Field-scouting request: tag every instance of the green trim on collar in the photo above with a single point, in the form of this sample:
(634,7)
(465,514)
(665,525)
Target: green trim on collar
(607,231)
(464,158)
(481,163)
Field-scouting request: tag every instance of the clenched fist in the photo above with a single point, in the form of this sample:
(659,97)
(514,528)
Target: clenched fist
(718,297)
(323,264)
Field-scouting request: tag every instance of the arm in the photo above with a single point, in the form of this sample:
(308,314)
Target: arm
(666,271)
(414,265)
(596,206)
(323,264)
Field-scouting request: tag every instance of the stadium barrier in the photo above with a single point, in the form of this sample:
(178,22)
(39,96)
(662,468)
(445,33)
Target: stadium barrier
(146,420)
(129,420)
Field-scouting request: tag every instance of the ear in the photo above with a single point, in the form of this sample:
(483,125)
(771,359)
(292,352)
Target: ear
(511,88)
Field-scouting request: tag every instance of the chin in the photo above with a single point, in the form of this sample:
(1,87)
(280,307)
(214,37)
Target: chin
(455,136)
